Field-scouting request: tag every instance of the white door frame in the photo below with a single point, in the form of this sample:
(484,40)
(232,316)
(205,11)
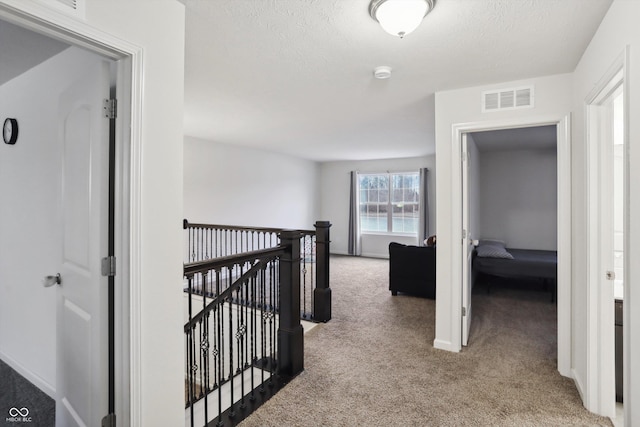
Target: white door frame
(599,390)
(129,59)
(467,252)
(562,124)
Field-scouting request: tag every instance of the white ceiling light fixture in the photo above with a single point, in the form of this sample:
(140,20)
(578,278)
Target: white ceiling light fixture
(400,17)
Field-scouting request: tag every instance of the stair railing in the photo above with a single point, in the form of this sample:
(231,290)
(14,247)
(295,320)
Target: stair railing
(209,241)
(243,337)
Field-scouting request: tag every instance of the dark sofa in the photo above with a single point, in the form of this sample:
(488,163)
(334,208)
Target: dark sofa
(412,270)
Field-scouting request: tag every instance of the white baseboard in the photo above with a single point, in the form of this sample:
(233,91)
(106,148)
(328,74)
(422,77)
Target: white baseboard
(372,255)
(365,255)
(445,345)
(30,376)
(338,253)
(579,385)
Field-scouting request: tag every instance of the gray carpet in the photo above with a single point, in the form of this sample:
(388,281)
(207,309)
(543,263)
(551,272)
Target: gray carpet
(16,394)
(374,363)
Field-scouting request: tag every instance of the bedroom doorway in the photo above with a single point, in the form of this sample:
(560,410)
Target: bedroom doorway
(512,198)
(563,219)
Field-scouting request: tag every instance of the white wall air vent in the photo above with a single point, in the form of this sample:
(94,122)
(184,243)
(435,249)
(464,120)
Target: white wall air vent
(507,99)
(74,8)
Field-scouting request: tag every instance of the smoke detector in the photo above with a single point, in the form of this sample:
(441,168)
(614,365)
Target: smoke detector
(382,72)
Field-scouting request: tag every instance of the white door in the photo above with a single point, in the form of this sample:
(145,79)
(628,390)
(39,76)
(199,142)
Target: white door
(82,345)
(467,247)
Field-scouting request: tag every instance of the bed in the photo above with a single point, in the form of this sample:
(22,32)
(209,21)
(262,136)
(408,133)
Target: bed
(524,264)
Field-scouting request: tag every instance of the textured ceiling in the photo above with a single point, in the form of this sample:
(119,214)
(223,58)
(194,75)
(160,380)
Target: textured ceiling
(296,76)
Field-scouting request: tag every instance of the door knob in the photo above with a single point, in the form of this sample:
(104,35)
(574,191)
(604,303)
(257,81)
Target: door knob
(52,280)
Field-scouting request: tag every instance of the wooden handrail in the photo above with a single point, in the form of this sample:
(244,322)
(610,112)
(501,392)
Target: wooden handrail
(186,224)
(260,263)
(230,260)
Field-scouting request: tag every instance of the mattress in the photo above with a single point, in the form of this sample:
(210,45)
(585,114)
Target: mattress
(525,263)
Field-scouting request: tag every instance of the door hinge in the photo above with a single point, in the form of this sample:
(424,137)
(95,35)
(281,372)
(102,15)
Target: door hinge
(109,266)
(464,311)
(110,108)
(109,420)
(465,156)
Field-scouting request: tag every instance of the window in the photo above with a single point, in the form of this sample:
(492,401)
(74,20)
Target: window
(389,202)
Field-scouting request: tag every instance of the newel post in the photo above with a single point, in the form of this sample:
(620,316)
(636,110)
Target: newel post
(290,332)
(322,292)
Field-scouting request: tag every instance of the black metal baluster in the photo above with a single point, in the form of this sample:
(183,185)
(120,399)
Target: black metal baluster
(232,412)
(189,237)
(235,250)
(204,348)
(238,330)
(193,367)
(189,351)
(210,242)
(216,233)
(252,333)
(312,275)
(198,358)
(214,341)
(304,276)
(240,336)
(223,340)
(225,249)
(188,397)
(194,242)
(220,348)
(263,337)
(274,325)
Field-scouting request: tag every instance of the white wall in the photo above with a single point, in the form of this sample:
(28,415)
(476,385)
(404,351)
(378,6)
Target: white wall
(154,29)
(159,262)
(463,106)
(226,184)
(518,198)
(334,201)
(618,30)
(30,227)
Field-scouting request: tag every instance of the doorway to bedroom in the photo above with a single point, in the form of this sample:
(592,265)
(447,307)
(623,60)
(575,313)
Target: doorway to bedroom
(507,227)
(511,222)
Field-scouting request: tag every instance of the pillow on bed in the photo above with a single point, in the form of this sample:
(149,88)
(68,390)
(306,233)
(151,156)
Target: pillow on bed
(492,249)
